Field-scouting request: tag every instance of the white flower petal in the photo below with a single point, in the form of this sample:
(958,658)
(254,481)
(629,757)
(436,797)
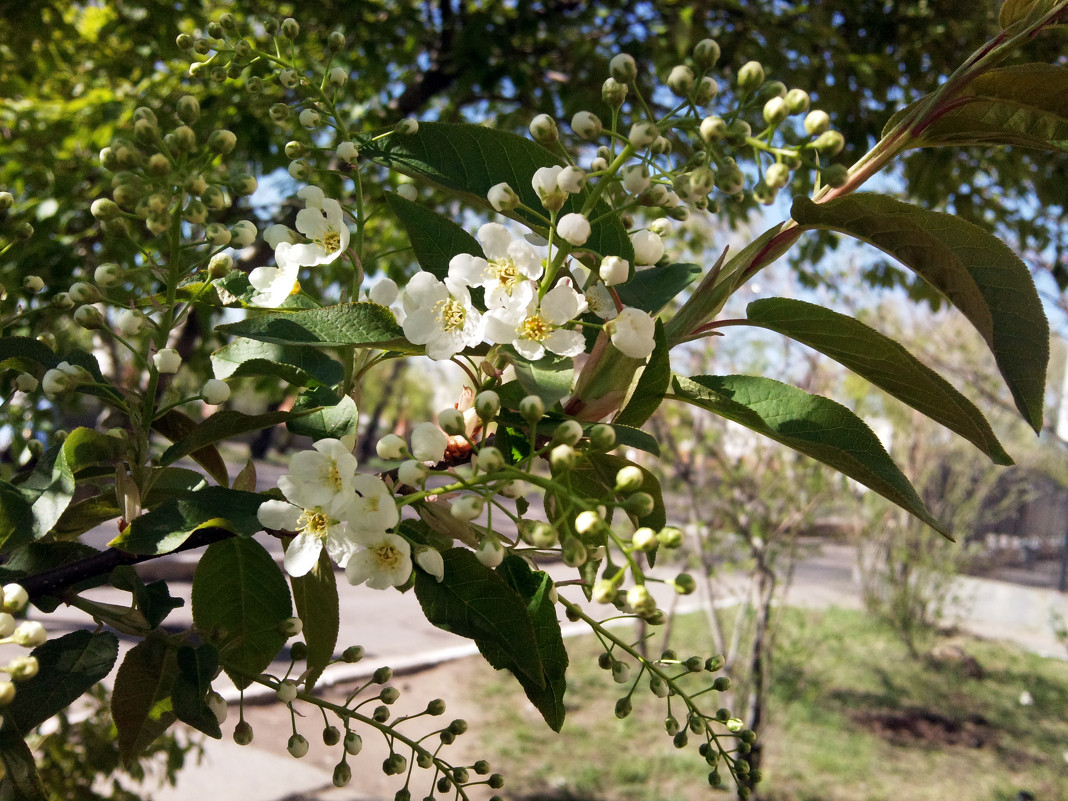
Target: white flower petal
(495,240)
(564,342)
(302,554)
(278,515)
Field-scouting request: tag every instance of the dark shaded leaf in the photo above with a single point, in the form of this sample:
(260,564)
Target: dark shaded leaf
(141,700)
(435,239)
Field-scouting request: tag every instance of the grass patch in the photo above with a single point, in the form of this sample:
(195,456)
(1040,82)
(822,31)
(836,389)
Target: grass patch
(853,718)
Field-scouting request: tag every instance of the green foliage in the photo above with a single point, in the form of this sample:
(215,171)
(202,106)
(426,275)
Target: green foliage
(359,324)
(435,239)
(316,599)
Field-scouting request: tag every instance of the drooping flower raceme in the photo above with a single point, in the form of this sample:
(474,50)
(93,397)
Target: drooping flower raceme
(440,315)
(534,328)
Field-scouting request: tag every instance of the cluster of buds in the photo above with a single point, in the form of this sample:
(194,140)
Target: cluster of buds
(168,173)
(28,634)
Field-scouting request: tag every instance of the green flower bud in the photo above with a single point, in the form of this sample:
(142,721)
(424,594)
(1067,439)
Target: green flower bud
(542,535)
(487,404)
(829,143)
(436,707)
(772,89)
(185,138)
(614,93)
(644,539)
(290,28)
(777,176)
(639,504)
(738,131)
(389,695)
(568,432)
(670,537)
(721,684)
(382,675)
(543,129)
(297,746)
(562,458)
(279,112)
(336,40)
(604,592)
(729,179)
(353,743)
(342,774)
(629,479)
(215,30)
(188,109)
(671,725)
(270,26)
(352,654)
(222,141)
(817,122)
(797,101)
(184,41)
(23,231)
(407,127)
(706,54)
(381,713)
(764,194)
(681,80)
(684,584)
(623,68)
(713,129)
(640,599)
(331,735)
(490,459)
(532,409)
(298,651)
(750,77)
(623,707)
(7,200)
(243,183)
(243,733)
(836,174)
(603,437)
(242,50)
(706,91)
(776,111)
(574,552)
(681,739)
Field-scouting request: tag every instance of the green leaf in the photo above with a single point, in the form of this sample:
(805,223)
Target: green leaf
(84,515)
(536,589)
(50,488)
(630,437)
(240,600)
(171,523)
(141,700)
(154,601)
(651,290)
(20,780)
(1013,11)
(67,667)
(315,596)
(324,413)
(41,557)
(196,668)
(224,424)
(16,515)
(652,385)
(811,424)
(435,239)
(1025,105)
(882,361)
(24,353)
(474,602)
(365,325)
(549,378)
(979,274)
(302,367)
(470,159)
(175,426)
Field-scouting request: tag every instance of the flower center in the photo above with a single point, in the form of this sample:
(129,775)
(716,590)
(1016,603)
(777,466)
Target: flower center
(313,522)
(534,327)
(506,273)
(333,476)
(451,314)
(330,241)
(388,555)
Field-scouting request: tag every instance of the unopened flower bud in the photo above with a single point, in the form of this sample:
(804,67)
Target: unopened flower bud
(750,76)
(222,141)
(642,134)
(817,122)
(532,409)
(452,421)
(644,539)
(490,553)
(353,743)
(487,404)
(574,229)
(167,361)
(353,654)
(336,40)
(391,446)
(218,706)
(603,437)
(23,231)
(412,473)
(297,746)
(629,479)
(681,80)
(467,507)
(289,28)
(30,634)
(289,78)
(25,382)
(408,192)
(287,693)
(502,197)
(670,537)
(299,169)
(614,93)
(342,774)
(339,76)
(348,152)
(640,599)
(33,283)
(490,459)
(829,143)
(639,504)
(188,109)
(105,209)
(543,129)
(7,692)
(309,118)
(777,176)
(129,322)
(184,41)
(7,624)
(586,124)
(706,91)
(635,178)
(89,317)
(562,458)
(684,584)
(407,127)
(623,68)
(776,111)
(706,54)
(243,233)
(107,274)
(430,560)
(797,101)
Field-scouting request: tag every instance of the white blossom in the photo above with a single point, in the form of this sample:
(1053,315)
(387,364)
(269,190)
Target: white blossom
(601,302)
(374,509)
(534,328)
(508,271)
(632,333)
(391,446)
(215,391)
(321,221)
(502,197)
(384,560)
(348,152)
(324,477)
(440,315)
(273,284)
(384,292)
(571,180)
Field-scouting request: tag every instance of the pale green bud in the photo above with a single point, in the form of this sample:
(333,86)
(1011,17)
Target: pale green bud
(297,746)
(568,432)
(623,68)
(829,143)
(713,129)
(706,91)
(750,76)
(797,101)
(188,109)
(561,458)
(817,122)
(706,54)
(681,80)
(289,28)
(776,111)
(543,129)
(614,93)
(222,141)
(629,479)
(532,409)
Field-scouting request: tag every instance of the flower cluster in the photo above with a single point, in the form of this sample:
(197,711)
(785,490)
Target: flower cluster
(353,516)
(28,634)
